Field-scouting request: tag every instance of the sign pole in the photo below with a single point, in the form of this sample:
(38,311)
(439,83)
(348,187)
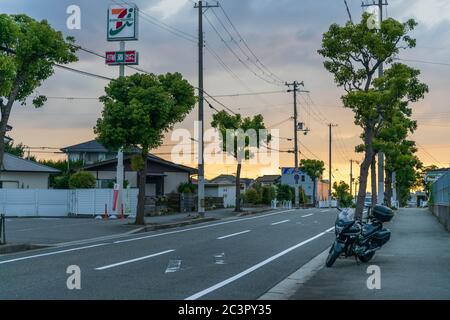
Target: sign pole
(120,170)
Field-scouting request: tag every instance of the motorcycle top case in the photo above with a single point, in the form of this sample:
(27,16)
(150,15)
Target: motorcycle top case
(382,213)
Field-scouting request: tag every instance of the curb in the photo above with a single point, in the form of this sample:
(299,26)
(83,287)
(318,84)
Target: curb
(12,248)
(173,225)
(289,286)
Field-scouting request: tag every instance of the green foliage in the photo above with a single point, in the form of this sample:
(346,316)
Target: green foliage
(252,196)
(246,133)
(314,169)
(140,108)
(381,105)
(285,192)
(342,194)
(17,150)
(82,180)
(60,181)
(137,163)
(186,187)
(268,194)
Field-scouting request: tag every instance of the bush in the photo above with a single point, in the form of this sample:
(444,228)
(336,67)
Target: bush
(60,182)
(268,194)
(252,196)
(82,180)
(186,187)
(285,192)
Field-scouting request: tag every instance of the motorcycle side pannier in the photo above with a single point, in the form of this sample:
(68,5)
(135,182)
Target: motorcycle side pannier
(382,213)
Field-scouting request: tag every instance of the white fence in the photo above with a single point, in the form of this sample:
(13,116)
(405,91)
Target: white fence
(60,203)
(325,204)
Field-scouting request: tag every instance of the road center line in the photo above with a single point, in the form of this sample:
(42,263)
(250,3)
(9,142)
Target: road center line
(255,267)
(308,215)
(280,222)
(133,260)
(203,227)
(324,211)
(52,253)
(233,234)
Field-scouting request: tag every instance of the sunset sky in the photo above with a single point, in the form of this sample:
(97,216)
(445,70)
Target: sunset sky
(284,34)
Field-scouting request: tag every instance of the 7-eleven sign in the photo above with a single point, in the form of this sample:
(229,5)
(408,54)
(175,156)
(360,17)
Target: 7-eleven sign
(122,57)
(122,22)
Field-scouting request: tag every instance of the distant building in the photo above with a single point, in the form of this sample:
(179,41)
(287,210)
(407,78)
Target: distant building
(269,180)
(163,176)
(7,139)
(307,184)
(18,173)
(245,183)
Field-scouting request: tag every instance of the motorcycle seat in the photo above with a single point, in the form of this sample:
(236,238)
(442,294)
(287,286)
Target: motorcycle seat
(369,229)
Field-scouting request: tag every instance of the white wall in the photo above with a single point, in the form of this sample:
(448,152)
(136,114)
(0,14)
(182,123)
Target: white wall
(59,203)
(228,193)
(131,177)
(173,179)
(29,180)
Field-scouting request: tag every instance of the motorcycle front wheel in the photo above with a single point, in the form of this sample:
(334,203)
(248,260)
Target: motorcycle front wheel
(367,257)
(332,256)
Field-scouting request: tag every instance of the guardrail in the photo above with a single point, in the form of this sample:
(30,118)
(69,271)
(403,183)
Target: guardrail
(2,229)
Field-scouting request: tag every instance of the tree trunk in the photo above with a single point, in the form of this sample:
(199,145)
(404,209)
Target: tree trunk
(140,212)
(388,188)
(363,174)
(5,110)
(237,207)
(373,178)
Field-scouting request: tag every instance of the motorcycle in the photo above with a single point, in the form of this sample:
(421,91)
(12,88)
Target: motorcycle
(357,238)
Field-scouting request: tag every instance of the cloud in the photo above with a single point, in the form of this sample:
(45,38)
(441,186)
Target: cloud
(168,8)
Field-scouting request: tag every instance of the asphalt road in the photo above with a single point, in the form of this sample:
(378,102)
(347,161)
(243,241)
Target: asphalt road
(238,258)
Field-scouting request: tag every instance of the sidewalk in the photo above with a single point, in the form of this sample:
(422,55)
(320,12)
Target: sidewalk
(56,231)
(414,265)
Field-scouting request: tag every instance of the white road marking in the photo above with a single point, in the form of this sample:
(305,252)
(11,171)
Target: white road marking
(133,260)
(280,222)
(308,215)
(255,267)
(52,253)
(324,210)
(201,227)
(232,235)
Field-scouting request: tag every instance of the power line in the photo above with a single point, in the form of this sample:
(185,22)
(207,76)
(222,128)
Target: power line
(248,47)
(235,54)
(173,30)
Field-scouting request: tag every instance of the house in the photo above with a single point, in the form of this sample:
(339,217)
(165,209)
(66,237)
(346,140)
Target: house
(24,174)
(222,189)
(163,176)
(432,176)
(269,180)
(89,152)
(6,138)
(245,183)
(306,183)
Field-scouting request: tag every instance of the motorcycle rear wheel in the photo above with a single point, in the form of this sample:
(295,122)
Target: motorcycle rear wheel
(367,257)
(332,256)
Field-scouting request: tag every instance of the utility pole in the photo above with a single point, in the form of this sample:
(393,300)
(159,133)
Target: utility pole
(351,174)
(330,126)
(297,127)
(380,198)
(201,166)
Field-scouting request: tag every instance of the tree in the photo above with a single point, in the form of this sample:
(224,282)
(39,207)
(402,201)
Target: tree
(268,194)
(285,192)
(138,110)
(82,180)
(252,196)
(354,53)
(186,187)
(342,194)
(314,169)
(28,52)
(238,136)
(17,150)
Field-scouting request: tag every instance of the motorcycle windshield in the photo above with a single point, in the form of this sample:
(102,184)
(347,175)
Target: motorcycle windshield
(346,216)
